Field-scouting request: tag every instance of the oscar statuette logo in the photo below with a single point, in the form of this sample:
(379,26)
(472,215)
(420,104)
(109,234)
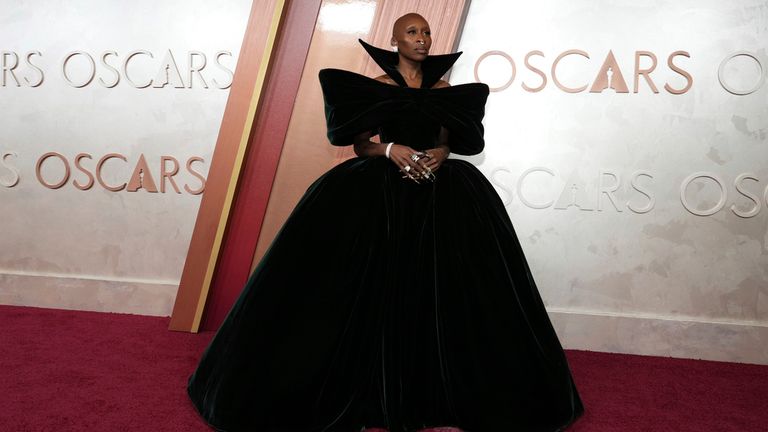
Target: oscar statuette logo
(54,170)
(701,193)
(611,75)
(138,69)
(607,191)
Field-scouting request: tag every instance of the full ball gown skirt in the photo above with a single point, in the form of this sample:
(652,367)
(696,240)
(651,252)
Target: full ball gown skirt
(385,303)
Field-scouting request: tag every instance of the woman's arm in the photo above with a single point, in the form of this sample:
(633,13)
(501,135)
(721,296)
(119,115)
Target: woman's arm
(438,155)
(400,155)
(365,147)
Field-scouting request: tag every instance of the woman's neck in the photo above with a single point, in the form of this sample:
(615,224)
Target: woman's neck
(409,69)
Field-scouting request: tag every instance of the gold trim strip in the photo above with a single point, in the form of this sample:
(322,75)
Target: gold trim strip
(258,90)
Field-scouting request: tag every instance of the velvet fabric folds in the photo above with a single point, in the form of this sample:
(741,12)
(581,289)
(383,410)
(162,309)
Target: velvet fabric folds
(386,303)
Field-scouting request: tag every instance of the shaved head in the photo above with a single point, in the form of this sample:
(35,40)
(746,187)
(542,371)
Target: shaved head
(403,21)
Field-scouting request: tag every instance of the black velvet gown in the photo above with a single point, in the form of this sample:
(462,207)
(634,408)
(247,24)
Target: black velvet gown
(386,303)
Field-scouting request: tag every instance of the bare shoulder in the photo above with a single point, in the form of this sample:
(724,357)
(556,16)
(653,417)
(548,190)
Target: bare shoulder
(441,84)
(385,79)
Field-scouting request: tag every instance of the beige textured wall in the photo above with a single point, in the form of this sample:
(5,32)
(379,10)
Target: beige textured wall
(616,277)
(96,249)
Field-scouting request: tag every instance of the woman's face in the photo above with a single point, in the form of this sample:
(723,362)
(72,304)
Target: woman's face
(412,37)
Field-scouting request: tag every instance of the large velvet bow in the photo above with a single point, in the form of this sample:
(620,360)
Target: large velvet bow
(355,104)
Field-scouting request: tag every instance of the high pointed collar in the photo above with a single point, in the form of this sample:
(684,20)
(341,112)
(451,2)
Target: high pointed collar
(432,68)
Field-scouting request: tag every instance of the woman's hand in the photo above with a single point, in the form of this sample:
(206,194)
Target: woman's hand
(436,156)
(401,155)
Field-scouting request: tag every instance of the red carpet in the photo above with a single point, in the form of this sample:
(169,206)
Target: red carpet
(85,371)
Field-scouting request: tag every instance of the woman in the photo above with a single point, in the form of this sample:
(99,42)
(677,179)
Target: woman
(396,295)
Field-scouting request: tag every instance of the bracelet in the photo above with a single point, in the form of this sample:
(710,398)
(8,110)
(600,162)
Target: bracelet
(389,147)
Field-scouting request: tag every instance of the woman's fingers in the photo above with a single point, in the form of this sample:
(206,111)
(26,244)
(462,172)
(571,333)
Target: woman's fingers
(426,163)
(411,174)
(407,169)
(415,165)
(434,163)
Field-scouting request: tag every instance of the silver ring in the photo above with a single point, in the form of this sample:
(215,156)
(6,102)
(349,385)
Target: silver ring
(407,168)
(415,157)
